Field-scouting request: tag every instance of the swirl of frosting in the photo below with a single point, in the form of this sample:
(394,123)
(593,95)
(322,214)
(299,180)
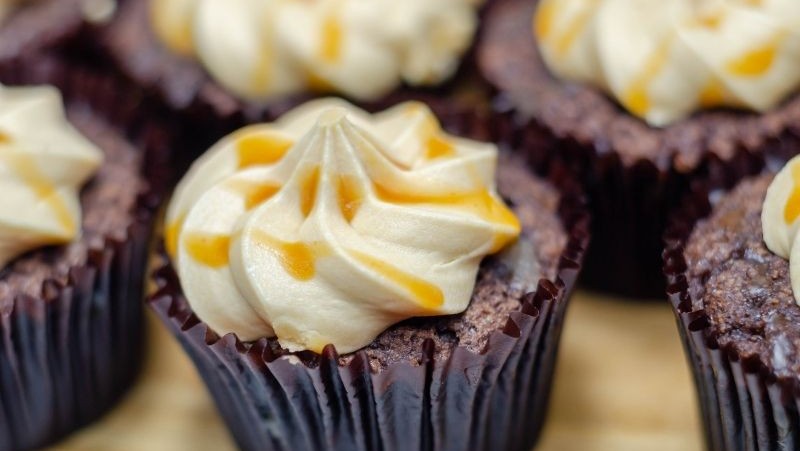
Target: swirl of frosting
(265,48)
(664,59)
(43,163)
(331,224)
(780,219)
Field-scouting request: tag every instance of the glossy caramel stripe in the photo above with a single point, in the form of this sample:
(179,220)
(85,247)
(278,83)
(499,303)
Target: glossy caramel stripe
(425,293)
(25,167)
(792,210)
(297,259)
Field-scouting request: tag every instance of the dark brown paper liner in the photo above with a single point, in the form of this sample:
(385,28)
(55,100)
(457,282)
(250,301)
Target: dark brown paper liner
(743,405)
(69,354)
(629,201)
(495,399)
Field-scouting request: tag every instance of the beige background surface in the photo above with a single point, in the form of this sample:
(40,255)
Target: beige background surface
(621,384)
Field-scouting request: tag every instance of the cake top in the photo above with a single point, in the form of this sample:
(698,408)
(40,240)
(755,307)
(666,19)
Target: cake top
(662,60)
(44,162)
(332,224)
(260,49)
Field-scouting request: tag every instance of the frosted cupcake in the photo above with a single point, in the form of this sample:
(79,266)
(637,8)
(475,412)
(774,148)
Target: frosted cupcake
(350,268)
(74,228)
(640,97)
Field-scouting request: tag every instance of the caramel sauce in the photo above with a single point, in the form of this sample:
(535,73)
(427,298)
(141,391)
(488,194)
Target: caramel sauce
(209,250)
(332,36)
(177,37)
(637,98)
(792,210)
(308,191)
(439,147)
(171,233)
(543,20)
(713,94)
(25,167)
(574,29)
(297,259)
(756,62)
(480,203)
(261,149)
(254,193)
(426,294)
(349,196)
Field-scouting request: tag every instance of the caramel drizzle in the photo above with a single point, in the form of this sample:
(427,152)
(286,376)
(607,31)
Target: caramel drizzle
(428,295)
(330,50)
(255,149)
(792,210)
(756,62)
(25,167)
(636,97)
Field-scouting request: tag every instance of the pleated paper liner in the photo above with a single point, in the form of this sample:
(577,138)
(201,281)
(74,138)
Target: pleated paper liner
(743,405)
(495,399)
(68,354)
(629,200)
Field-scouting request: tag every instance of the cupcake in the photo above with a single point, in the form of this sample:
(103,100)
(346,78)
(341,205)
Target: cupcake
(732,271)
(345,280)
(639,97)
(74,228)
(219,62)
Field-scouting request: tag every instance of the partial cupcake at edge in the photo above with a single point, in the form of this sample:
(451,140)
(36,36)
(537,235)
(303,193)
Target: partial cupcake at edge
(75,219)
(639,97)
(336,274)
(732,266)
(222,62)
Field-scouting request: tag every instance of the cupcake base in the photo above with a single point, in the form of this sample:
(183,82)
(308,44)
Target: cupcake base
(491,398)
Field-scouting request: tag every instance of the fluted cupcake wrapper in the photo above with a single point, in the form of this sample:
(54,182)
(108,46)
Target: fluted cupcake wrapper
(495,399)
(68,354)
(743,405)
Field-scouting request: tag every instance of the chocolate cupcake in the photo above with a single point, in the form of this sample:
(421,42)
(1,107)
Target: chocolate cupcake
(74,231)
(731,285)
(225,64)
(638,146)
(353,281)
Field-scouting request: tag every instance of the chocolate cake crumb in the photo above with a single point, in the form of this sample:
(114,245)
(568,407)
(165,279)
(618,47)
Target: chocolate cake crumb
(744,288)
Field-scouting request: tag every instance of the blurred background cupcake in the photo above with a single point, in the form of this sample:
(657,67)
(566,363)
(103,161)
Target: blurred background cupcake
(639,97)
(334,275)
(224,64)
(731,263)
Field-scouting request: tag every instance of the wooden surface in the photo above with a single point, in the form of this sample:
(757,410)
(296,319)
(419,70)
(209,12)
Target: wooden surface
(621,384)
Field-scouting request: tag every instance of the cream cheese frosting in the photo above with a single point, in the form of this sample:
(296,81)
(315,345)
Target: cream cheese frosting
(332,224)
(363,49)
(662,60)
(44,162)
(780,219)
